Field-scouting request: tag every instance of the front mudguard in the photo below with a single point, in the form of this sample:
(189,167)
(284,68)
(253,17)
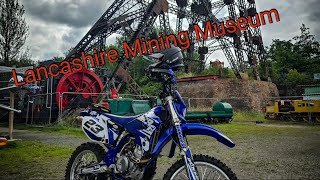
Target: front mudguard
(191,129)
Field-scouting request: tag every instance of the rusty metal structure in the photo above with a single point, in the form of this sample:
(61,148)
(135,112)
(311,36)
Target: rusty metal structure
(136,18)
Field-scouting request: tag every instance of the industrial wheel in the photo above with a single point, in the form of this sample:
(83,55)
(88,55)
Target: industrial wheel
(81,86)
(215,120)
(228,120)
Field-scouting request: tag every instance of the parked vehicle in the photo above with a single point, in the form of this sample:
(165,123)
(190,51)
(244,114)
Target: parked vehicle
(222,112)
(293,110)
(128,147)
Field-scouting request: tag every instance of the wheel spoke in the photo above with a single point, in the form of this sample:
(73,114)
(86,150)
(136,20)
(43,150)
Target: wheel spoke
(209,174)
(88,158)
(73,84)
(219,177)
(89,86)
(185,176)
(204,173)
(84,159)
(81,81)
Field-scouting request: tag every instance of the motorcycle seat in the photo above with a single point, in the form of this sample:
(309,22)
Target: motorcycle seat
(122,120)
(99,108)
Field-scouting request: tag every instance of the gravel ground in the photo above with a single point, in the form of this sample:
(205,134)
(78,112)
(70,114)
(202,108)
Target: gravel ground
(290,154)
(51,139)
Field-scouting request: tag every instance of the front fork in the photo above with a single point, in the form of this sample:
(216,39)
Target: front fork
(185,150)
(187,155)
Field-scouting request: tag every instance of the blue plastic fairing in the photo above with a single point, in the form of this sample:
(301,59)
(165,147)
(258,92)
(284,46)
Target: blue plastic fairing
(192,129)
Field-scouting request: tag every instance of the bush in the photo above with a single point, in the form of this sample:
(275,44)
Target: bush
(294,78)
(216,71)
(152,88)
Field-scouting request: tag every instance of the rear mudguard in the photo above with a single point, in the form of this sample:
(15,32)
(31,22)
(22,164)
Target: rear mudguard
(191,129)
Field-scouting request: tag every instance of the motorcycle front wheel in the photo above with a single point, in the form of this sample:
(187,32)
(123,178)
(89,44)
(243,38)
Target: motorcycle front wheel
(208,168)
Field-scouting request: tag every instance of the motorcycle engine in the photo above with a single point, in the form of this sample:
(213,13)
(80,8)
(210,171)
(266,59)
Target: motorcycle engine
(128,162)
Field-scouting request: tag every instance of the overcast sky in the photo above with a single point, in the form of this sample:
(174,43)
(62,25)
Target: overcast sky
(57,25)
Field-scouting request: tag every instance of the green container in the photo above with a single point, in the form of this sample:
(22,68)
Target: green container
(312,90)
(113,105)
(196,115)
(124,106)
(159,102)
(222,106)
(220,114)
(140,106)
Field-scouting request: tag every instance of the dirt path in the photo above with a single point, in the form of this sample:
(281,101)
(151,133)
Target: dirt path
(51,139)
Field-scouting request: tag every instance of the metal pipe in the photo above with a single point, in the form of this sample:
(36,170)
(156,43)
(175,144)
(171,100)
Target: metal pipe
(9,108)
(47,97)
(11,114)
(51,101)
(10,87)
(28,107)
(60,105)
(32,109)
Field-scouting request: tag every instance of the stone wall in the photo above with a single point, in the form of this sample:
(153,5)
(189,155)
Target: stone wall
(243,95)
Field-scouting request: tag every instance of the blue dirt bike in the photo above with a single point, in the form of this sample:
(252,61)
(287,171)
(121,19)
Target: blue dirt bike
(128,147)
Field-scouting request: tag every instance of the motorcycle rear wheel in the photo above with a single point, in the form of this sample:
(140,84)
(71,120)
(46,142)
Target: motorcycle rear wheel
(208,168)
(91,152)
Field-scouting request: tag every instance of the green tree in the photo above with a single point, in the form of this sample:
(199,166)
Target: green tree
(309,49)
(14,31)
(306,44)
(294,78)
(25,60)
(301,54)
(149,86)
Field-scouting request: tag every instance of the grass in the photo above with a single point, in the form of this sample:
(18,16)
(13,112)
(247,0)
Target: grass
(19,157)
(248,116)
(244,118)
(56,129)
